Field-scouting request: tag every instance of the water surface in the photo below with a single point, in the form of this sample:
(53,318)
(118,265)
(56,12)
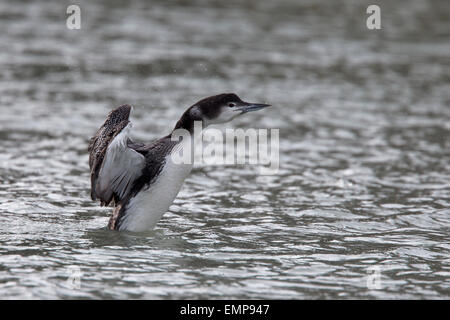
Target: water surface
(364,179)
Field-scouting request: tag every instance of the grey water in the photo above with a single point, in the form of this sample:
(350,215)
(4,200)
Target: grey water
(360,206)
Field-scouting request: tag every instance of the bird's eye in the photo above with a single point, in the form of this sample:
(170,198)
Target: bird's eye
(231,105)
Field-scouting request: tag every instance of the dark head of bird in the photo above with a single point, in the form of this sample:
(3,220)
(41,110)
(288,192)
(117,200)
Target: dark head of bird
(220,108)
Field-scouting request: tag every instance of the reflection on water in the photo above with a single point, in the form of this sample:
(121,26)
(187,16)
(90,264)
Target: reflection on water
(364,155)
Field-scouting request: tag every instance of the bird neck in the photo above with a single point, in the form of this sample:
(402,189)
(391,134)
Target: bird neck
(189,123)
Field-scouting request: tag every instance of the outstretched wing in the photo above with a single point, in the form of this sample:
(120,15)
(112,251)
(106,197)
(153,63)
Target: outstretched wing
(114,165)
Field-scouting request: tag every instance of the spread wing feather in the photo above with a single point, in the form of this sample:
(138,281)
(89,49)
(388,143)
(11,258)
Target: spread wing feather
(114,165)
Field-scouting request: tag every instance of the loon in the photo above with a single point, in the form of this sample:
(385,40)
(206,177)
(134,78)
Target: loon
(142,180)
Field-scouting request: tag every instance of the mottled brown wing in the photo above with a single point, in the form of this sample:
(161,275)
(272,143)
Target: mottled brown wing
(114,166)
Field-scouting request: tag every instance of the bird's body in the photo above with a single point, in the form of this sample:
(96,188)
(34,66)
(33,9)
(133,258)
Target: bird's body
(142,180)
(146,208)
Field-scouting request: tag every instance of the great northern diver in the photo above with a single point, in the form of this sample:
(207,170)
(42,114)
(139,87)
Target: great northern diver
(142,180)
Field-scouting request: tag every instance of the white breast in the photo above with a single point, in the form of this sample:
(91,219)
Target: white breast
(145,210)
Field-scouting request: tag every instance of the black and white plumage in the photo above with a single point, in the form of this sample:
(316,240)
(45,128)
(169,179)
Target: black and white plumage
(141,180)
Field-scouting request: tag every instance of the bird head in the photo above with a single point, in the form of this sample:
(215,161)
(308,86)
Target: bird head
(220,108)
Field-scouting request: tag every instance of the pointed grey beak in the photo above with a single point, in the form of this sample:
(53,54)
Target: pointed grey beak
(249,107)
